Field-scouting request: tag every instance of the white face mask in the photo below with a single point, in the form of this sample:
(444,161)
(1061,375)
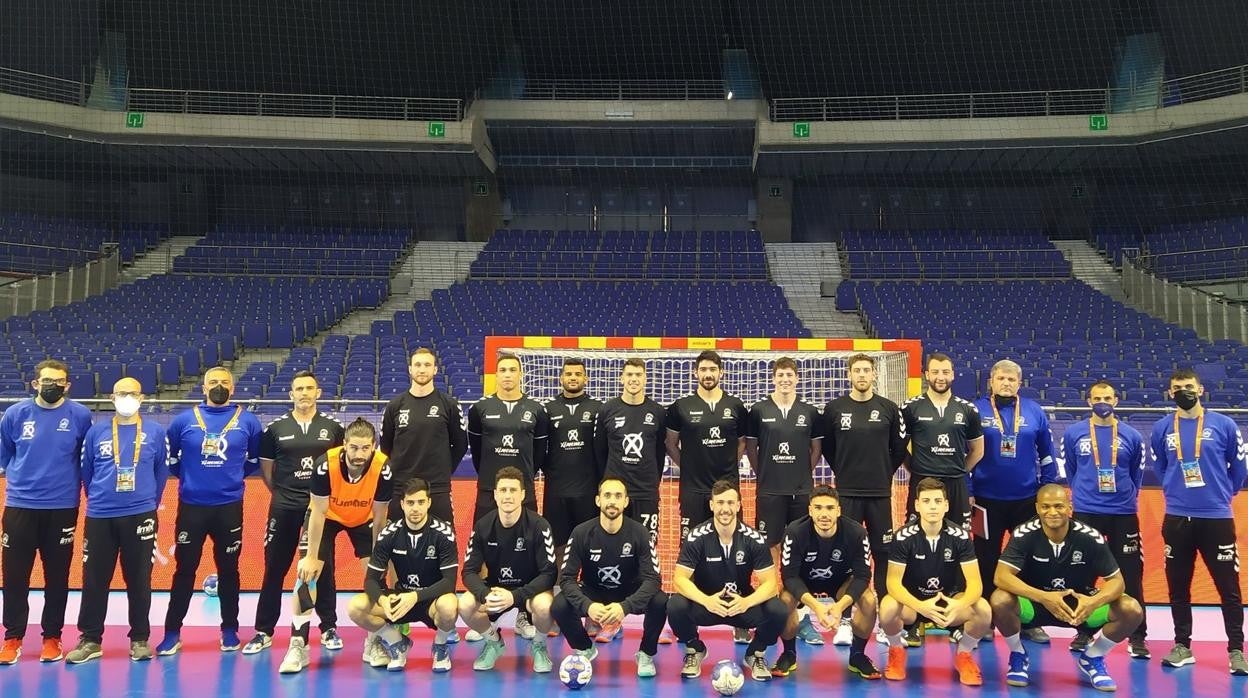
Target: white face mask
(126,406)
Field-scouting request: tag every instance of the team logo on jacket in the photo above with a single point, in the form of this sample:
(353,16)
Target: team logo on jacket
(948,555)
(323,436)
(413,581)
(404,417)
(627,550)
(509,440)
(433,410)
(784,448)
(527,417)
(847,420)
(519,545)
(106,449)
(1058,583)
(957,418)
(62,425)
(431,553)
(801,420)
(649,418)
(837,555)
(1085,447)
(740,557)
(28,431)
(731,587)
(942,440)
(875,416)
(632,444)
(587,417)
(610,577)
(933,583)
(1076,558)
(619,422)
(727,413)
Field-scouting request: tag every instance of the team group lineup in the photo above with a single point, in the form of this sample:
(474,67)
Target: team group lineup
(816,556)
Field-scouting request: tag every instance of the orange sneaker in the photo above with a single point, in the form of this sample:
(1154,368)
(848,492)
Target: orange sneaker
(11,651)
(52,651)
(968,670)
(895,669)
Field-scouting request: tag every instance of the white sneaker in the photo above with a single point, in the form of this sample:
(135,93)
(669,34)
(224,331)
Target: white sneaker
(881,636)
(741,636)
(375,654)
(525,627)
(844,634)
(473,636)
(296,657)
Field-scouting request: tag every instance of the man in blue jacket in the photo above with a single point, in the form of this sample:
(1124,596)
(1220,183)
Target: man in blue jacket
(124,470)
(1202,461)
(1105,474)
(1018,459)
(40,451)
(212,447)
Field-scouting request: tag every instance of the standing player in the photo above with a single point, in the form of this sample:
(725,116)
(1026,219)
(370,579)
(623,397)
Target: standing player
(864,441)
(826,567)
(422,551)
(933,575)
(506,428)
(705,439)
(422,432)
(611,571)
(40,454)
(783,445)
(212,447)
(1018,459)
(628,445)
(571,470)
(289,448)
(714,585)
(124,470)
(1105,475)
(350,493)
(510,563)
(1202,461)
(946,438)
(1047,576)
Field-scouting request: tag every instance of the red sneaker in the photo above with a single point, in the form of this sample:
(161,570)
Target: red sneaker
(11,651)
(52,651)
(968,671)
(895,669)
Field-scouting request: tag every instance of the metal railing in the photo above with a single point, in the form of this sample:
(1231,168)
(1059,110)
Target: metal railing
(978,105)
(268,260)
(36,86)
(62,287)
(1213,317)
(1030,263)
(1205,265)
(620,265)
(620,89)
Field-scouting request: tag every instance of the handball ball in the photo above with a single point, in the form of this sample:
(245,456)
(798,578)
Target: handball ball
(726,677)
(575,671)
(210,585)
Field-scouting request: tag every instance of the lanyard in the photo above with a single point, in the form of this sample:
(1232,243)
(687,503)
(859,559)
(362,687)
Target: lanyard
(1113,445)
(138,437)
(1178,442)
(199,419)
(1018,410)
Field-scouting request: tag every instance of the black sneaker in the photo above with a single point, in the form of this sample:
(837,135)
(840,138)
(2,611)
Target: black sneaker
(1081,642)
(914,636)
(862,665)
(785,664)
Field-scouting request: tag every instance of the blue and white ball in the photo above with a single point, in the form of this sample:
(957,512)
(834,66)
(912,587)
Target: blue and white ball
(575,671)
(210,585)
(727,677)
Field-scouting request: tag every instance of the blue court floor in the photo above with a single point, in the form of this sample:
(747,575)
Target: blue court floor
(202,670)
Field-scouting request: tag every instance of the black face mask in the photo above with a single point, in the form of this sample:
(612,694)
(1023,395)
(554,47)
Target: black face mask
(1185,399)
(51,394)
(218,395)
(1004,401)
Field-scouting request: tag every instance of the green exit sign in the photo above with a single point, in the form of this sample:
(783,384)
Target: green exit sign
(801,129)
(437,129)
(1098,122)
(134,119)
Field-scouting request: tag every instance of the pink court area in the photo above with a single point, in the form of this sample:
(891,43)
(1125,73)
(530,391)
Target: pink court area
(201,669)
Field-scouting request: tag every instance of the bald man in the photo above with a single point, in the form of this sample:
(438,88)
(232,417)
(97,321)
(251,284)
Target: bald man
(212,447)
(124,470)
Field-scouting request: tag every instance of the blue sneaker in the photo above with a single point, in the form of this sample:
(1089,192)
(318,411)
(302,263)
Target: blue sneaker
(806,632)
(230,641)
(1018,674)
(1094,669)
(170,645)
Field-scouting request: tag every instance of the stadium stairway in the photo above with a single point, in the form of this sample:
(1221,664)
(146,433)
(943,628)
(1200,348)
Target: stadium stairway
(801,270)
(159,260)
(1090,267)
(430,265)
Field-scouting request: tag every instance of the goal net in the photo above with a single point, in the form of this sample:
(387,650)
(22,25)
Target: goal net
(823,375)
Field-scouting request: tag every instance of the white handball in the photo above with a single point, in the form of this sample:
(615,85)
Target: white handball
(575,671)
(727,677)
